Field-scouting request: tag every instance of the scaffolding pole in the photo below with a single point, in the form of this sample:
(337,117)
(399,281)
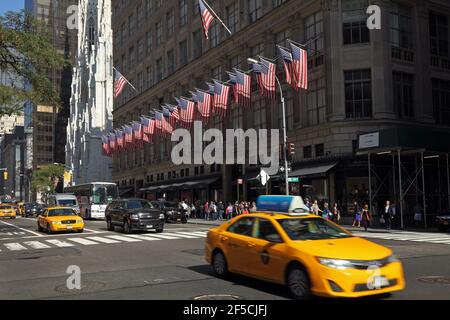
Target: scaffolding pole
(400,188)
(423,192)
(393,176)
(448,185)
(370,183)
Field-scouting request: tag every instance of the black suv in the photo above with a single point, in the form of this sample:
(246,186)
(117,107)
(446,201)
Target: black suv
(133,214)
(32,209)
(172,210)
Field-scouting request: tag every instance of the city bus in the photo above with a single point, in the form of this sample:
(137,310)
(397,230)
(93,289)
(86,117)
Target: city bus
(94,197)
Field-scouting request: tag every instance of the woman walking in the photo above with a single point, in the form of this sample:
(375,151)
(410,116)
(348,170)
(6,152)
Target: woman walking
(357,213)
(315,208)
(366,217)
(336,214)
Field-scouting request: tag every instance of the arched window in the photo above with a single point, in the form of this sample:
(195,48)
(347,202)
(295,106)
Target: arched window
(91,31)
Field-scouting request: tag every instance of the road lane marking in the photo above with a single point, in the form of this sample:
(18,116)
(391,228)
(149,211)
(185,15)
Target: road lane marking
(143,237)
(36,245)
(103,240)
(123,238)
(198,234)
(58,243)
(178,234)
(163,236)
(26,230)
(91,230)
(14,246)
(83,241)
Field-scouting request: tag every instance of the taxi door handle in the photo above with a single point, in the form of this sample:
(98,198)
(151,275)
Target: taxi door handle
(223,238)
(251,244)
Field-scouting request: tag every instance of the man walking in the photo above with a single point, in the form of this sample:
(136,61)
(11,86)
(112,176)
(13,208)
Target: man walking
(389,214)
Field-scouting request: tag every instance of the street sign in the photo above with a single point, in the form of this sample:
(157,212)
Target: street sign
(294,179)
(263,177)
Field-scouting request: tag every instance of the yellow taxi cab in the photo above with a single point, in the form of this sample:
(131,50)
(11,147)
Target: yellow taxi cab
(56,219)
(21,208)
(284,244)
(7,211)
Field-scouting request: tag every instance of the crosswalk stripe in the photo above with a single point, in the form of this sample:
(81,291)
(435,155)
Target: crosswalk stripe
(143,237)
(61,244)
(198,234)
(163,236)
(178,234)
(103,240)
(36,245)
(440,240)
(14,246)
(123,238)
(85,242)
(424,239)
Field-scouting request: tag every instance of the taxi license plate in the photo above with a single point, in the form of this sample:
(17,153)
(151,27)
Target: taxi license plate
(69,227)
(178,219)
(149,226)
(378,282)
(445,222)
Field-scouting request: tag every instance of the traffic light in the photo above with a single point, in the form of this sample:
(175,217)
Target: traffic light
(281,152)
(290,151)
(5,175)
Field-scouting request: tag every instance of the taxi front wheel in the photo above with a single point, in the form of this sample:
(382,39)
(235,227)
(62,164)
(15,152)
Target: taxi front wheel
(220,264)
(298,284)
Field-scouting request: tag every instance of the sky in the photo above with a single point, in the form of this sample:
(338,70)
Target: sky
(10,5)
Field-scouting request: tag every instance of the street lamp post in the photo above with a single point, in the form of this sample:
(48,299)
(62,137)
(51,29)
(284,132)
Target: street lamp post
(286,172)
(29,186)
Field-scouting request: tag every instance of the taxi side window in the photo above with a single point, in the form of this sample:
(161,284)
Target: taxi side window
(243,227)
(266,231)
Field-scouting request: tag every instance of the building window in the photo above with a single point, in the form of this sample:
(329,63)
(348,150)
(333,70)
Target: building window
(197,44)
(159,70)
(140,13)
(183,53)
(401,26)
(202,169)
(316,102)
(170,18)
(148,8)
(158,3)
(182,173)
(91,35)
(233,17)
(183,12)
(441,101)
(170,62)
(195,8)
(358,93)
(158,33)
(140,53)
(259,114)
(307,152)
(196,171)
(257,50)
(354,19)
(149,77)
(276,3)
(140,77)
(403,94)
(319,150)
(255,10)
(439,35)
(216,73)
(214,34)
(314,39)
(131,58)
(131,25)
(187,172)
(235,62)
(237,118)
(149,37)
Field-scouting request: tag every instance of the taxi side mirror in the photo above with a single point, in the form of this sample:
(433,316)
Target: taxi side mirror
(275,238)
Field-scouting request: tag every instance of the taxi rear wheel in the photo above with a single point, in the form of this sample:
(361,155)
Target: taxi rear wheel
(49,230)
(298,283)
(219,264)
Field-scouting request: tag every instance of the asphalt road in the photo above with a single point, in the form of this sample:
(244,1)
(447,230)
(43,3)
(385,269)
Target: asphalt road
(33,265)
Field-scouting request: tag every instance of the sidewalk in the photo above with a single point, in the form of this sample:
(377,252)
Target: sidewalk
(396,230)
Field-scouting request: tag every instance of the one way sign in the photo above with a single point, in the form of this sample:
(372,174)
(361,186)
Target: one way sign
(263,177)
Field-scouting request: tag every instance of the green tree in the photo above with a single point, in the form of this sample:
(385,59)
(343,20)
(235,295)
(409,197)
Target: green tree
(26,50)
(45,178)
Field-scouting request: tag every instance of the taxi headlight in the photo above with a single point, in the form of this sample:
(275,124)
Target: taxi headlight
(56,222)
(134,217)
(79,221)
(161,216)
(336,263)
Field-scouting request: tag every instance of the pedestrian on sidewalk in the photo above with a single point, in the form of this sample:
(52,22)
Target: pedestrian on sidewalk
(326,213)
(229,211)
(206,210)
(357,214)
(213,210)
(417,214)
(315,208)
(389,213)
(221,210)
(336,214)
(366,217)
(253,207)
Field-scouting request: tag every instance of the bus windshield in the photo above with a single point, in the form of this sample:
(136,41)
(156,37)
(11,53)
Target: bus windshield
(104,194)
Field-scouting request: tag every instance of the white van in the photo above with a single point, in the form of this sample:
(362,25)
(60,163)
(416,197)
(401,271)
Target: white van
(64,200)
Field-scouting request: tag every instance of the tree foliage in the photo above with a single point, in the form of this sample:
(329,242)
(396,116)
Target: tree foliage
(46,178)
(26,50)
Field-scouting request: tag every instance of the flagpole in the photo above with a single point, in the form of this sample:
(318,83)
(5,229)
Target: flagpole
(217,17)
(127,81)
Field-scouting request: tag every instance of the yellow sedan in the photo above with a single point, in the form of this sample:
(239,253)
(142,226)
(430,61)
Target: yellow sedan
(7,211)
(59,219)
(308,254)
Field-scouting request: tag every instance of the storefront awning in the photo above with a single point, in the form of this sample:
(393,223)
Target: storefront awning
(320,169)
(123,191)
(181,185)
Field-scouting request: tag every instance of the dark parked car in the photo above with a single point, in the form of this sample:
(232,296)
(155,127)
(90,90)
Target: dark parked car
(172,210)
(133,215)
(443,222)
(32,209)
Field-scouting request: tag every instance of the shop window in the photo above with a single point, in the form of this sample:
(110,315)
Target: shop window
(307,152)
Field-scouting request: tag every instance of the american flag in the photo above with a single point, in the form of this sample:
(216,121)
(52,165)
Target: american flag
(149,128)
(204,104)
(128,136)
(112,142)
(174,116)
(244,88)
(138,134)
(119,83)
(210,88)
(288,63)
(207,17)
(187,108)
(105,146)
(232,77)
(161,123)
(300,66)
(119,139)
(221,92)
(265,75)
(166,125)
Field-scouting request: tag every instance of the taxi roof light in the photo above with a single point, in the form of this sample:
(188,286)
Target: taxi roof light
(289,205)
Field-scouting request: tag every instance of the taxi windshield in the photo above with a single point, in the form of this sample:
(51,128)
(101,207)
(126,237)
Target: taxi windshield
(311,229)
(6,207)
(61,212)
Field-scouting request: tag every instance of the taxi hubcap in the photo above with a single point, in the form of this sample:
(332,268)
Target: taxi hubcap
(297,282)
(219,263)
